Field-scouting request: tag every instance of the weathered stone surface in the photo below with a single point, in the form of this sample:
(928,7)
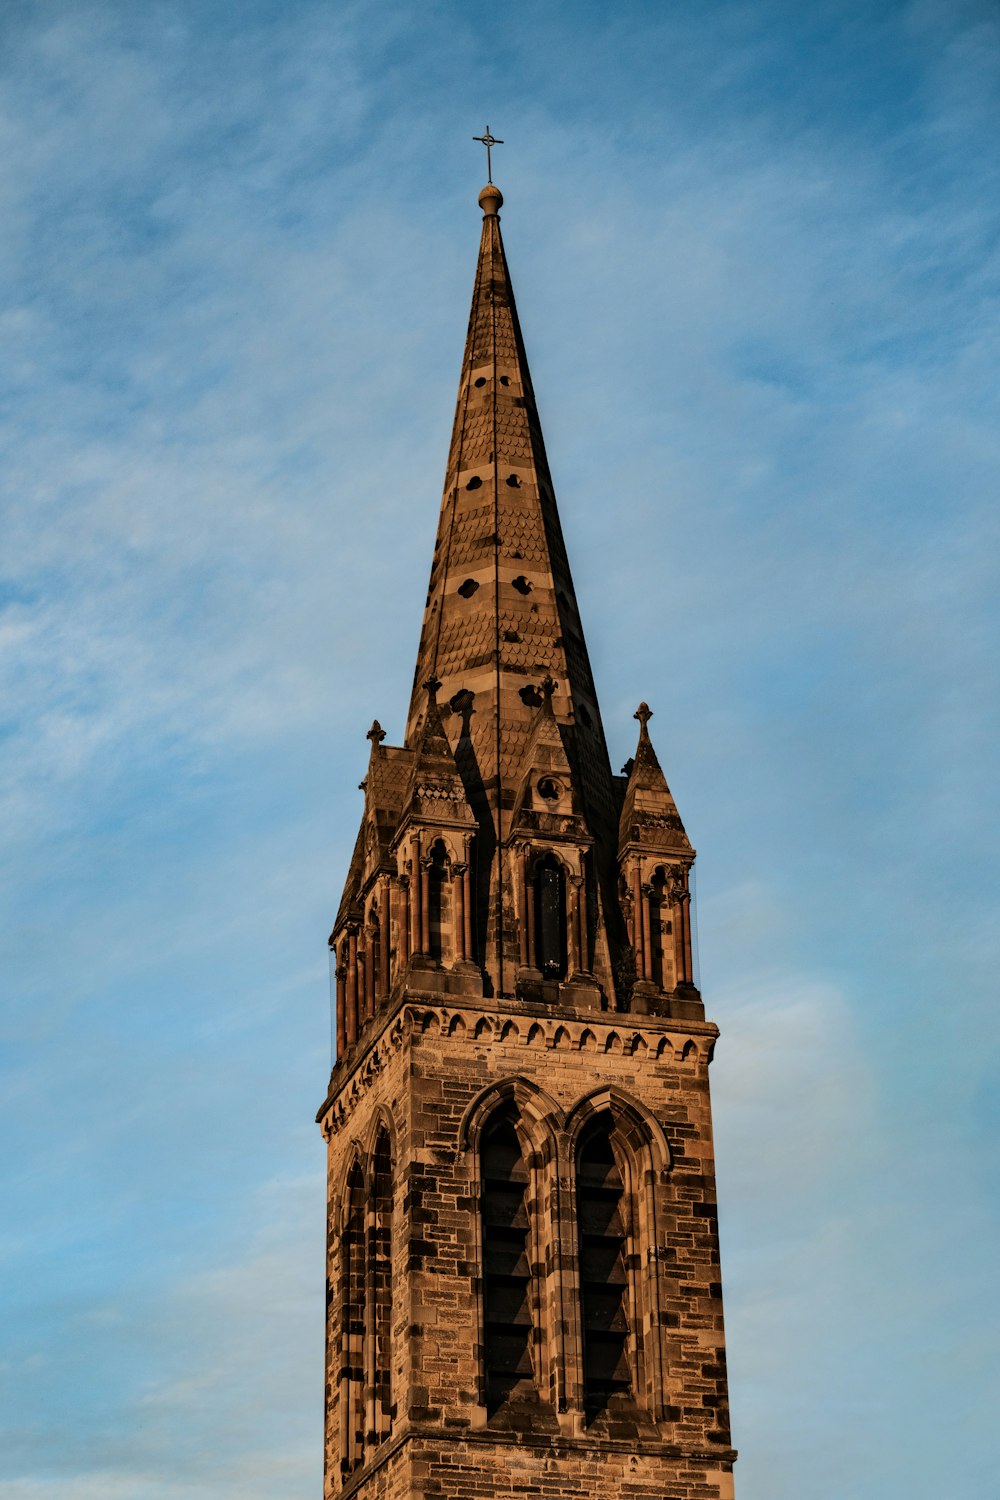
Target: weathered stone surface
(524,1291)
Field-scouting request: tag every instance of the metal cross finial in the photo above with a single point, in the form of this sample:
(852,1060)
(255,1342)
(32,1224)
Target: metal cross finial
(489,141)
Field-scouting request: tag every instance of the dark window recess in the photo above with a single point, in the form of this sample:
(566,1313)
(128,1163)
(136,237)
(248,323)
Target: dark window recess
(513,481)
(521,584)
(600,1195)
(660,927)
(530,696)
(505,380)
(506,1267)
(474,483)
(435,896)
(468,588)
(354,1319)
(382,1285)
(550,918)
(481,381)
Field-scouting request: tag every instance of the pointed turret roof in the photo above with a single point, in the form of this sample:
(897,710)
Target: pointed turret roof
(649,813)
(501,609)
(435,786)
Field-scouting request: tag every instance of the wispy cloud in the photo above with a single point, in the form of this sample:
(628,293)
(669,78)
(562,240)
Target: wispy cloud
(755,252)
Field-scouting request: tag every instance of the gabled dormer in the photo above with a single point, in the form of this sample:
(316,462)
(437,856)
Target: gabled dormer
(551,871)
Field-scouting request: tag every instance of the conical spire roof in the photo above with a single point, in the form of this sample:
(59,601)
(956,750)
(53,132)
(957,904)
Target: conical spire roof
(501,610)
(649,813)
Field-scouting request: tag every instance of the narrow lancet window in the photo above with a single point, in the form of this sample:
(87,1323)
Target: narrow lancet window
(506,1267)
(381,1285)
(436,889)
(550,918)
(352,1369)
(601,1210)
(661,932)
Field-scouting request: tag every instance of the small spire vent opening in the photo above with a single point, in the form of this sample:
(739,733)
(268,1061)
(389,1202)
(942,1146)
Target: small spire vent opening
(505,380)
(468,588)
(531,697)
(513,481)
(475,483)
(521,584)
(480,382)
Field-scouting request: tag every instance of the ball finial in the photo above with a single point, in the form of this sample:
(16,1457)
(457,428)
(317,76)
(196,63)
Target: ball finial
(490,199)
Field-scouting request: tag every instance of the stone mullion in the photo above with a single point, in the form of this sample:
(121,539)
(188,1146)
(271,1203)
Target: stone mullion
(686,926)
(341,977)
(425,904)
(540,1323)
(529,913)
(653,1259)
(403,925)
(573,1316)
(369,971)
(384,937)
(352,987)
(572,934)
(416,922)
(633,1266)
(522,904)
(646,892)
(467,904)
(638,925)
(477,1245)
(458,918)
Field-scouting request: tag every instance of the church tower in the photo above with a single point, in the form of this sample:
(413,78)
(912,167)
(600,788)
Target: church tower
(523,1293)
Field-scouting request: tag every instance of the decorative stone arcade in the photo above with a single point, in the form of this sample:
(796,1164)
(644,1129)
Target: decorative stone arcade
(524,1291)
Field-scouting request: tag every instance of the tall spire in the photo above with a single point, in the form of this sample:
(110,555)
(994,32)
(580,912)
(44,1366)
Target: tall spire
(501,612)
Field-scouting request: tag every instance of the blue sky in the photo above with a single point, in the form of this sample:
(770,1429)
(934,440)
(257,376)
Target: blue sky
(755,247)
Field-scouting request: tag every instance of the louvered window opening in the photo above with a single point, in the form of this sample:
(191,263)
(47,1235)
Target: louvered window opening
(600,1203)
(506,1268)
(354,1317)
(382,1286)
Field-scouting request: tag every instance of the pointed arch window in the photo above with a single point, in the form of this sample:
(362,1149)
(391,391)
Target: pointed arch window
(550,917)
(601,1208)
(506,1227)
(353,1320)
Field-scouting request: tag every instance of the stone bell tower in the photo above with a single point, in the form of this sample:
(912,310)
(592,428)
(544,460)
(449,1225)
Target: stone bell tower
(523,1290)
